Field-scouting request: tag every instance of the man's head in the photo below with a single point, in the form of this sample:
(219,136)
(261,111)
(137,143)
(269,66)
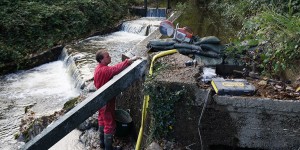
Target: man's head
(102,56)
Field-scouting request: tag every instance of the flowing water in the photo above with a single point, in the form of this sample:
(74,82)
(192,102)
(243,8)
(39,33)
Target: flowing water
(46,88)
(122,41)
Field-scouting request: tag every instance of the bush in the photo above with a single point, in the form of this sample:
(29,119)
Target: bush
(270,33)
(238,10)
(28,27)
(280,34)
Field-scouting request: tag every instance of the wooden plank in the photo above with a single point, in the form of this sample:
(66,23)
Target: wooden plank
(68,122)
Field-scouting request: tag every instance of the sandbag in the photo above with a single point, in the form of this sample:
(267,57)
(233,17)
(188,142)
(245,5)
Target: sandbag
(209,54)
(217,48)
(155,48)
(187,46)
(208,40)
(159,45)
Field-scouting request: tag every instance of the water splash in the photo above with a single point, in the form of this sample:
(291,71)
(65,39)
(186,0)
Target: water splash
(46,88)
(142,26)
(156,12)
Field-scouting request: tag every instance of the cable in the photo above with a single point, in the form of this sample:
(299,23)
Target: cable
(202,112)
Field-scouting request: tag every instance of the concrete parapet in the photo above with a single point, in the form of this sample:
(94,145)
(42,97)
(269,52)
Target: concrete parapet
(262,123)
(266,104)
(236,121)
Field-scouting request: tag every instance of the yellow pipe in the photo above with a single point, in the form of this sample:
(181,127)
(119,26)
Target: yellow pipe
(164,53)
(146,100)
(147,97)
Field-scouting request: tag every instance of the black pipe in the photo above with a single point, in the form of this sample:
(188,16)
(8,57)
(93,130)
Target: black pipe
(168,4)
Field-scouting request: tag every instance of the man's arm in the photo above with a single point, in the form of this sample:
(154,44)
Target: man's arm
(116,69)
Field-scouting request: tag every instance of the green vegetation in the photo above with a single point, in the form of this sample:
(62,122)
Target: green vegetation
(29,27)
(271,25)
(71,103)
(161,108)
(278,35)
(16,136)
(241,10)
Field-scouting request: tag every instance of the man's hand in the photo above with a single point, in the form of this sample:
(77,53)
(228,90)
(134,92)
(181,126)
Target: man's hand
(134,58)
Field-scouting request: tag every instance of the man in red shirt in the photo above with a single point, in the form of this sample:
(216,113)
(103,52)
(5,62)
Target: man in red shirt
(106,117)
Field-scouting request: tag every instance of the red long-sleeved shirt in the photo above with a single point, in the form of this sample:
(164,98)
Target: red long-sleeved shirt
(104,73)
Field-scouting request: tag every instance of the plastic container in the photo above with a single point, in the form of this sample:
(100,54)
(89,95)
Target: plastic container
(235,87)
(123,123)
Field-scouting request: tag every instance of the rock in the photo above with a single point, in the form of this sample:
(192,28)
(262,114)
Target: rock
(154,146)
(89,123)
(91,87)
(278,87)
(90,138)
(262,82)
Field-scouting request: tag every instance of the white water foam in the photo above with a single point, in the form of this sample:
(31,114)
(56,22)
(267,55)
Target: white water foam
(46,88)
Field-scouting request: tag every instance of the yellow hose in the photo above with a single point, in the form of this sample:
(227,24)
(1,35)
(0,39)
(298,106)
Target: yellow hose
(164,53)
(147,98)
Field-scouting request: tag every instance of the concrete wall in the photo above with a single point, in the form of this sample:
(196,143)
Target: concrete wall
(236,122)
(262,123)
